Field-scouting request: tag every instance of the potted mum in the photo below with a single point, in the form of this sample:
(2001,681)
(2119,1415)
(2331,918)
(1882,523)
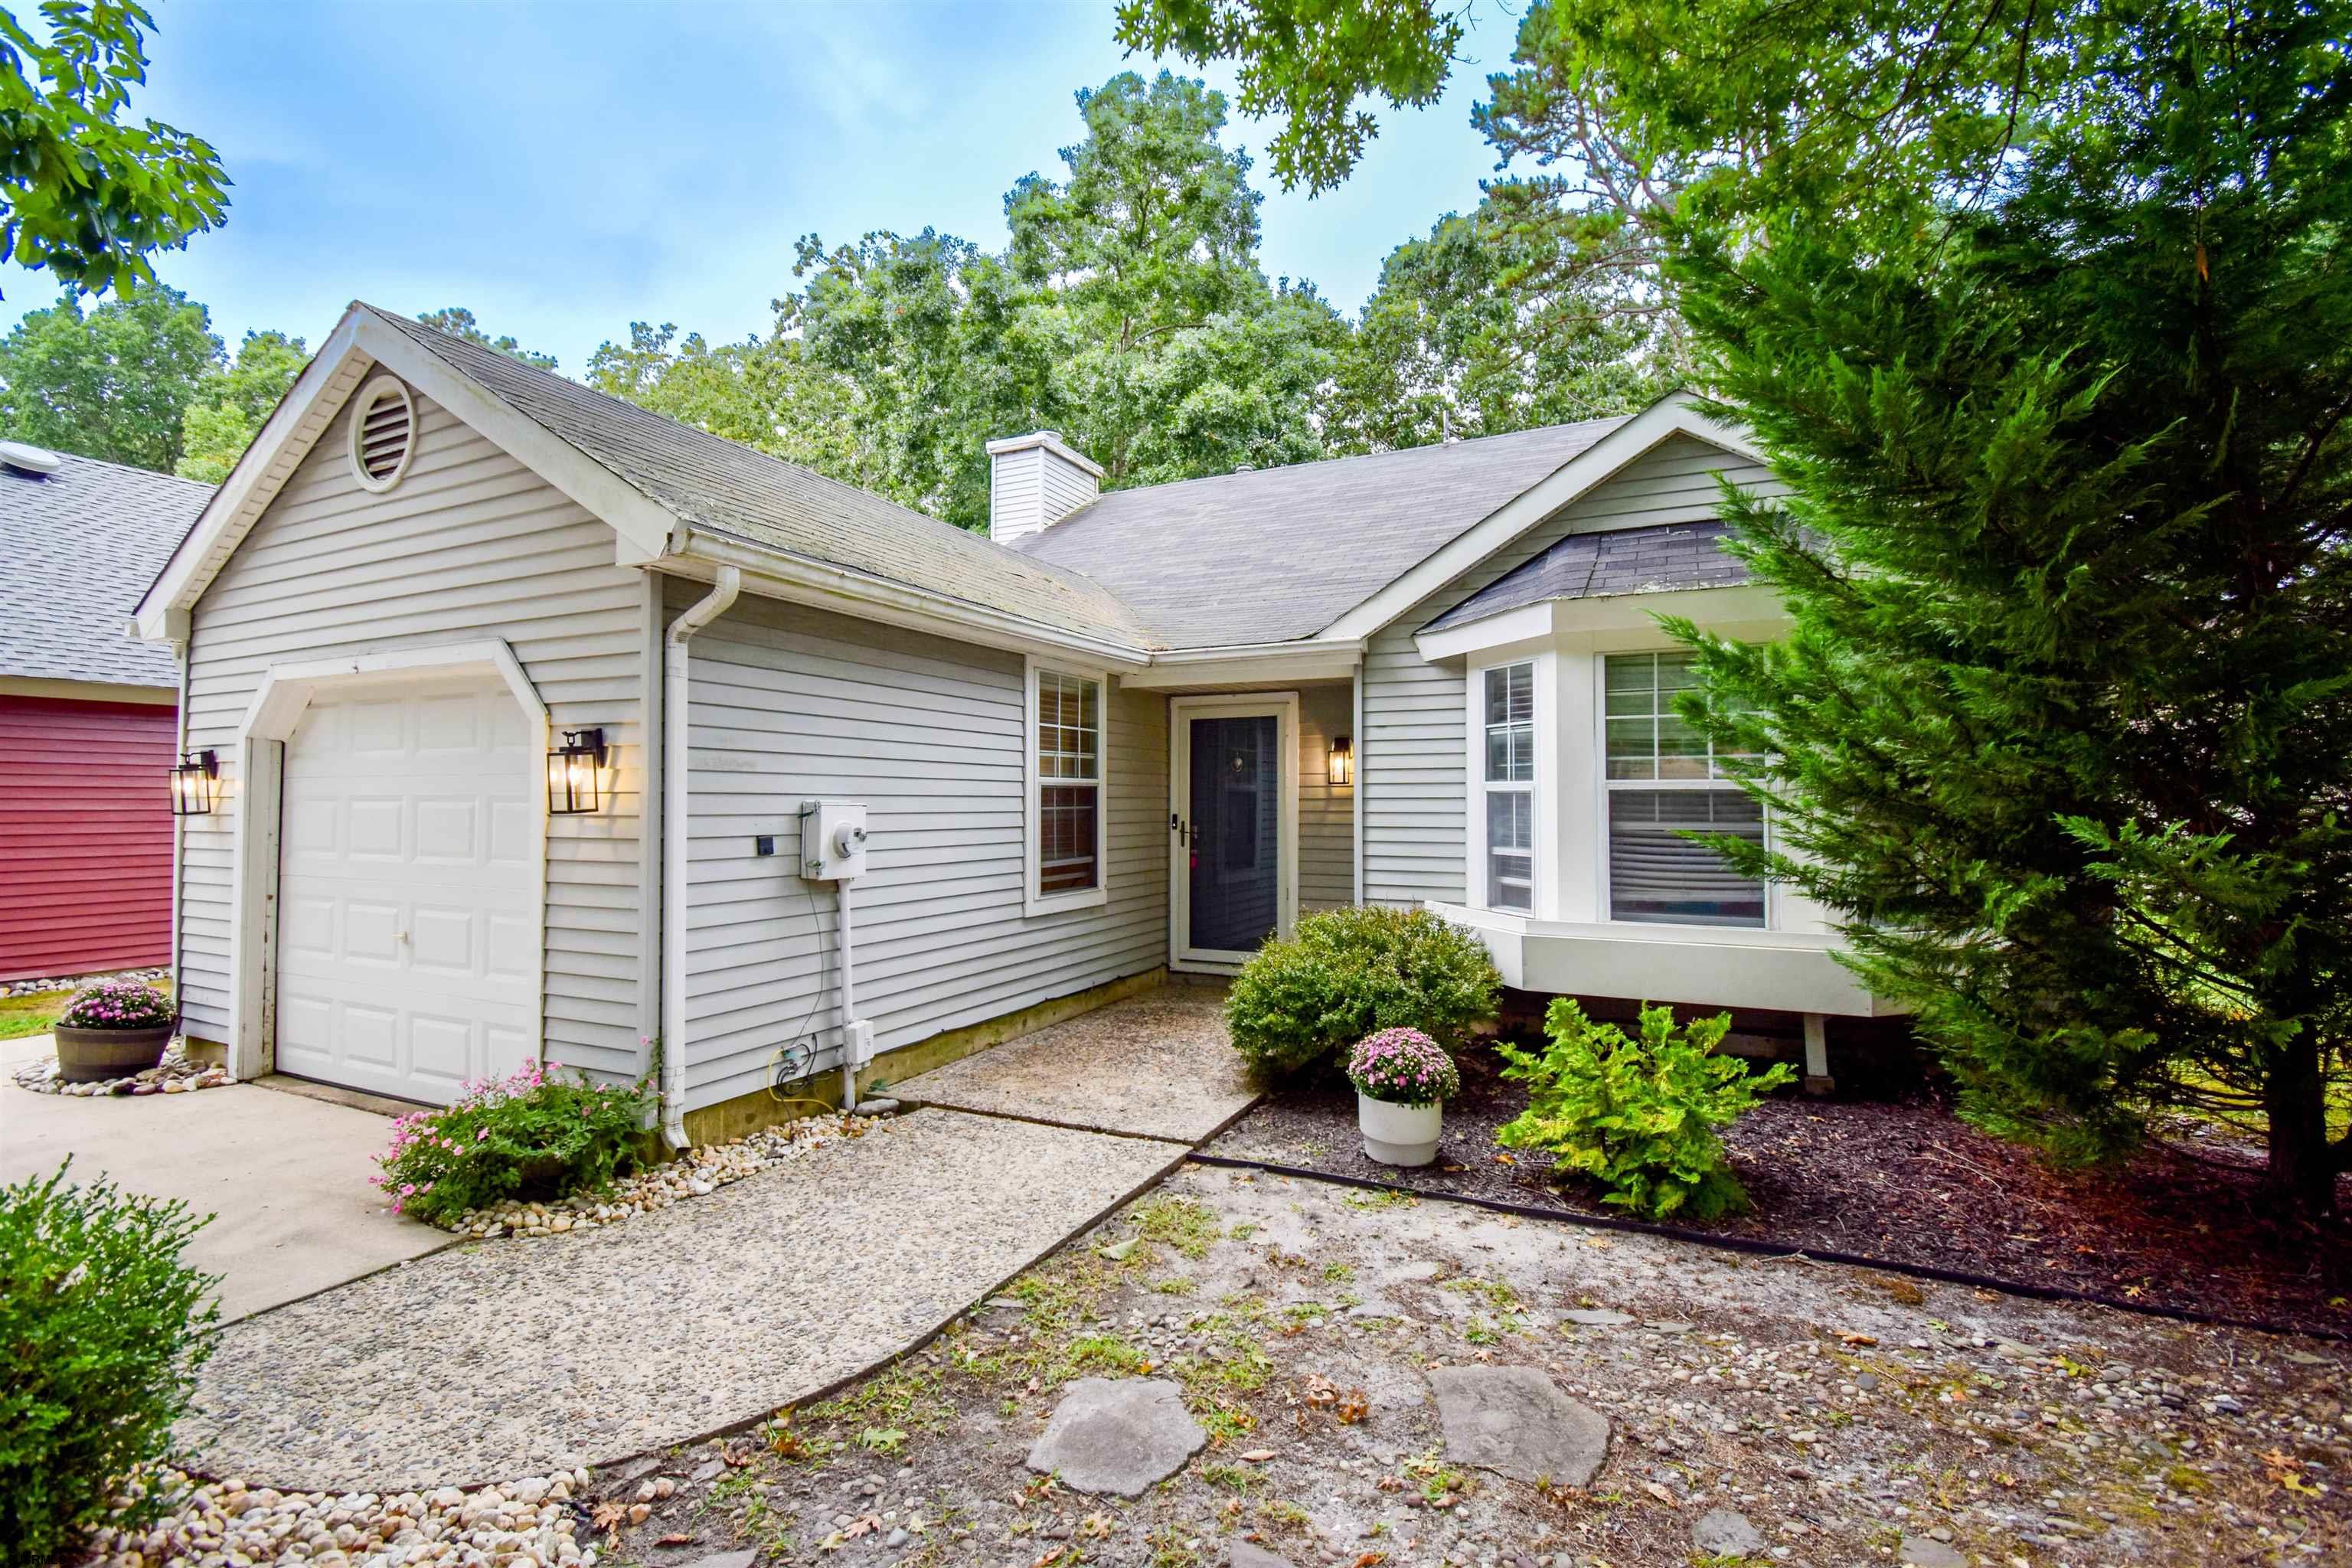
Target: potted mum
(113,1029)
(1402,1080)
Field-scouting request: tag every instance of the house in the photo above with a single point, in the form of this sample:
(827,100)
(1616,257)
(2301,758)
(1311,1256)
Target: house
(538,718)
(88,718)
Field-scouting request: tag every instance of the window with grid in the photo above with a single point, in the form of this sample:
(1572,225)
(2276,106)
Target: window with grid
(1510,701)
(1069,783)
(1663,779)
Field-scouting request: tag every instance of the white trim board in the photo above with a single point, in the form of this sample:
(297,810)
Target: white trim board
(1283,707)
(1674,414)
(1034,902)
(285,693)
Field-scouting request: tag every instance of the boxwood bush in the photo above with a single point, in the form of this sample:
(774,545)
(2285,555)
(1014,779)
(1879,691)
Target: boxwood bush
(103,1327)
(1637,1116)
(1347,973)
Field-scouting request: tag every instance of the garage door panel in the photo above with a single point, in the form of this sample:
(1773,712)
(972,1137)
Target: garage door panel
(372,828)
(446,941)
(449,830)
(409,959)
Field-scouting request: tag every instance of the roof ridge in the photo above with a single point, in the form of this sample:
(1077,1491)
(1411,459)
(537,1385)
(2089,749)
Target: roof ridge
(1351,458)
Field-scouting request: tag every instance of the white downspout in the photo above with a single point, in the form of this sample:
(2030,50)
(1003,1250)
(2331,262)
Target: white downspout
(675,729)
(849,1021)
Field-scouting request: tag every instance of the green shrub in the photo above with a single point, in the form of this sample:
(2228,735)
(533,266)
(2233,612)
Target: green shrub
(534,1134)
(1639,1117)
(1347,973)
(101,1331)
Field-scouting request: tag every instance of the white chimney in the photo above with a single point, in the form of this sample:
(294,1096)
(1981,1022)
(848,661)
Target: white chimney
(1033,482)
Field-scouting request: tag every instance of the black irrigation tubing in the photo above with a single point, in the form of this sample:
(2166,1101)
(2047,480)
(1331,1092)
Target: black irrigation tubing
(1777,1249)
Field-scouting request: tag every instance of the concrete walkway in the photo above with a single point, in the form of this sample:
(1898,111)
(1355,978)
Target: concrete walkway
(510,1358)
(285,1177)
(1155,1066)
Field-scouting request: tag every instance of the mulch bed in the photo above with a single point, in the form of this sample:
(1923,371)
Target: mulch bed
(1905,1180)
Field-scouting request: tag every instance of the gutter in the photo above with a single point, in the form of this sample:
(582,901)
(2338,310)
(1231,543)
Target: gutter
(675,775)
(804,580)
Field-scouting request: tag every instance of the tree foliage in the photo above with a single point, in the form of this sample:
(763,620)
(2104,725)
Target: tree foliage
(82,194)
(1127,312)
(458,323)
(111,382)
(231,401)
(2064,726)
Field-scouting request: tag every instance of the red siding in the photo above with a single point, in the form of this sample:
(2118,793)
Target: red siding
(85,836)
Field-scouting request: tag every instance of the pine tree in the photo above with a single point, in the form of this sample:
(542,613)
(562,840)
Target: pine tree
(2064,724)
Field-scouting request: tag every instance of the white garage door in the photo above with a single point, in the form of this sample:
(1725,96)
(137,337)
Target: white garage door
(408,888)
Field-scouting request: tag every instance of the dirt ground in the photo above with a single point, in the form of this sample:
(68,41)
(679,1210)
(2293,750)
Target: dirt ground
(1899,1176)
(1846,1416)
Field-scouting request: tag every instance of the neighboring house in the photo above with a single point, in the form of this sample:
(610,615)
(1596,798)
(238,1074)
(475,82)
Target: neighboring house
(1142,730)
(88,716)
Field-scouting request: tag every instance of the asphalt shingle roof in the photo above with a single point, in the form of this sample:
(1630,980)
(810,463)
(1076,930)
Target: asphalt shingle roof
(1274,554)
(81,545)
(1617,561)
(714,483)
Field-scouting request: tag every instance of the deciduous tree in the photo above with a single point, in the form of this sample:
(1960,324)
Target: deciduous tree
(82,194)
(109,382)
(231,402)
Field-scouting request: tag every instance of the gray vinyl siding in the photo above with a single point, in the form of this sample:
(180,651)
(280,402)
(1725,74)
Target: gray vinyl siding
(789,703)
(1066,487)
(1411,763)
(469,545)
(1327,816)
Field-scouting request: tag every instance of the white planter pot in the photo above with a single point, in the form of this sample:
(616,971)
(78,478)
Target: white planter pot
(1399,1134)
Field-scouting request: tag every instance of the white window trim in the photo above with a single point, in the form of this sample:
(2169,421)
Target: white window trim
(1032,902)
(1608,785)
(1544,791)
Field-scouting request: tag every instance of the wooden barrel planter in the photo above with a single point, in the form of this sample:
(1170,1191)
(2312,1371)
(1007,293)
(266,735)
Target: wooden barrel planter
(94,1055)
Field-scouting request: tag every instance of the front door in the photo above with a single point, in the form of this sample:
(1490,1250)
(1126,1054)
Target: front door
(1235,819)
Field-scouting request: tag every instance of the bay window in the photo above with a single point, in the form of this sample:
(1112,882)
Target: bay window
(1065,784)
(1662,778)
(1509,773)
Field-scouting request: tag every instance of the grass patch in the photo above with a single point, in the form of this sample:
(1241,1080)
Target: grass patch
(1385,1198)
(1178,1223)
(34,1014)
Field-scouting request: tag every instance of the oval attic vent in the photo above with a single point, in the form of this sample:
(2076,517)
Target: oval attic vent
(383,433)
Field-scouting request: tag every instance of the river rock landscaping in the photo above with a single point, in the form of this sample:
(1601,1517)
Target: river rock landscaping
(699,1172)
(230,1523)
(1336,1348)
(175,1074)
(1902,1178)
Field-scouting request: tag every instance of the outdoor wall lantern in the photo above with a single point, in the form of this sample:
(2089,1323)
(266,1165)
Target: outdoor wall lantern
(574,771)
(1343,761)
(195,781)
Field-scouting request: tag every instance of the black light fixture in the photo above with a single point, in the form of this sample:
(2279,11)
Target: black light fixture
(1343,761)
(575,770)
(195,781)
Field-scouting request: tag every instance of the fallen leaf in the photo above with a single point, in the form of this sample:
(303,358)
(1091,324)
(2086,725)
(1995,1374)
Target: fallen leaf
(676,1539)
(1660,1493)
(1258,1456)
(1858,1339)
(1353,1408)
(1119,1252)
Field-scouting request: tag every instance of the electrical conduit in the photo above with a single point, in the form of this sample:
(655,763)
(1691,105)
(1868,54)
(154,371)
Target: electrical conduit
(675,729)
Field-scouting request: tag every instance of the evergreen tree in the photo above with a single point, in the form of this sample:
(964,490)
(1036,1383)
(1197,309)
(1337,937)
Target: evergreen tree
(2064,725)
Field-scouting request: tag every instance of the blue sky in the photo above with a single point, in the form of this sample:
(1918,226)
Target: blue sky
(563,168)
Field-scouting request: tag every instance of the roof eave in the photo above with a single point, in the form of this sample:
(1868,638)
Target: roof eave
(359,345)
(798,579)
(1675,414)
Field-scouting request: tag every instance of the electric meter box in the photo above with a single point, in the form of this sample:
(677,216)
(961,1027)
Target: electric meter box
(833,839)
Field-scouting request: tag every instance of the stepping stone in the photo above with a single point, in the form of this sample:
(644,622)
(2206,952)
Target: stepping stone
(1514,1420)
(1246,1555)
(1926,1551)
(1117,1436)
(1597,1318)
(1726,1532)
